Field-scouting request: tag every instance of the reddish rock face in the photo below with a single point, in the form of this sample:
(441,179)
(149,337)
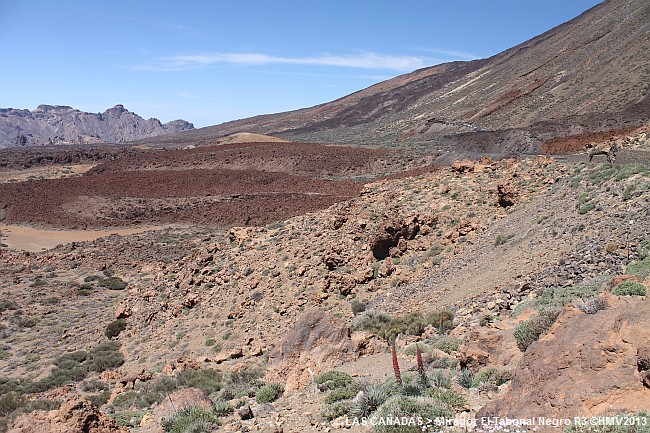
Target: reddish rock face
(179,400)
(489,347)
(588,364)
(317,341)
(76,415)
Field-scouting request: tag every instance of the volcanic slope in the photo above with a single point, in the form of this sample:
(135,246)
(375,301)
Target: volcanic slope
(588,75)
(483,239)
(222,185)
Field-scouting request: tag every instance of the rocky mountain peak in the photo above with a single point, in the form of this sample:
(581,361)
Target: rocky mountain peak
(62,124)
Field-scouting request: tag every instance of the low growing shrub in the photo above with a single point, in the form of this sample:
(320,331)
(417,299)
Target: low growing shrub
(529,331)
(590,305)
(114,328)
(269,393)
(640,268)
(113,283)
(402,406)
(332,380)
(629,288)
(339,394)
(190,419)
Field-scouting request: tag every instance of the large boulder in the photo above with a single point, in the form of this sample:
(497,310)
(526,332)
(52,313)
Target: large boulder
(178,400)
(587,364)
(76,415)
(318,341)
(489,347)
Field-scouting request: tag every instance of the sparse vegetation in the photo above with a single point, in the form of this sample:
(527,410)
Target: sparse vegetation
(269,393)
(331,380)
(191,419)
(114,328)
(502,239)
(590,305)
(629,288)
(529,331)
(113,283)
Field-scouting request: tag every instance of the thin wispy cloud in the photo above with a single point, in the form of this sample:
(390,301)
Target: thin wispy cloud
(361,61)
(450,54)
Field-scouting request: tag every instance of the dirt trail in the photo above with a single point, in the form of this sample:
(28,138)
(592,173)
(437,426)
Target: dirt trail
(33,239)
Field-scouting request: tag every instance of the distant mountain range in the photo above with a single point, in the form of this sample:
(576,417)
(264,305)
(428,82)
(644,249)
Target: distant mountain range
(589,76)
(60,124)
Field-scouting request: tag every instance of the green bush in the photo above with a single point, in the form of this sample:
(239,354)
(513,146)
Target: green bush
(113,283)
(402,406)
(336,410)
(558,297)
(269,393)
(442,320)
(332,380)
(446,343)
(587,207)
(502,239)
(372,321)
(128,418)
(114,328)
(99,399)
(104,357)
(339,394)
(644,249)
(208,379)
(11,401)
(452,400)
(629,288)
(191,419)
(6,304)
(630,170)
(358,306)
(222,408)
(529,331)
(486,375)
(640,268)
(602,173)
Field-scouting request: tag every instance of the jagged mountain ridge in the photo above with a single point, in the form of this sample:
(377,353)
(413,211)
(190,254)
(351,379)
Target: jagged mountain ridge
(587,75)
(61,124)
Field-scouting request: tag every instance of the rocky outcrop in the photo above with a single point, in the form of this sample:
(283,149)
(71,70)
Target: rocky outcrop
(318,341)
(76,415)
(60,124)
(587,364)
(487,346)
(179,400)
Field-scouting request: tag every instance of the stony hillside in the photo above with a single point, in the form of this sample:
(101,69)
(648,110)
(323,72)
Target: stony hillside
(54,125)
(496,244)
(589,75)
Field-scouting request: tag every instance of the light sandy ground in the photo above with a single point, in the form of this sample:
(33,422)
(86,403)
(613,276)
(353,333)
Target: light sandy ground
(47,172)
(32,239)
(247,137)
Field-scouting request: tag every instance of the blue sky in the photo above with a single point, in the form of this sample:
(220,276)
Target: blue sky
(213,61)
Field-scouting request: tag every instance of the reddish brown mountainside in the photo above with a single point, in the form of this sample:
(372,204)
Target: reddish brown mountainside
(587,75)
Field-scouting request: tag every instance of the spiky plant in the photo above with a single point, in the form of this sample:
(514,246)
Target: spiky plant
(440,379)
(368,400)
(465,378)
(423,381)
(398,374)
